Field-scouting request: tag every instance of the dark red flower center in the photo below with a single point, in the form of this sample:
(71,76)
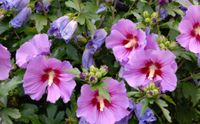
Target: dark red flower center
(100,102)
(196,31)
(151,70)
(51,76)
(131,42)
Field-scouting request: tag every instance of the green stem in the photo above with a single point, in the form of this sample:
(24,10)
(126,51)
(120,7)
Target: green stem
(16,34)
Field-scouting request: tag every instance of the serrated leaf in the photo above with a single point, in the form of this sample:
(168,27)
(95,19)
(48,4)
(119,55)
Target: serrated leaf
(40,21)
(185,3)
(90,26)
(28,114)
(7,86)
(75,71)
(81,19)
(162,104)
(3,27)
(191,91)
(9,113)
(98,85)
(75,5)
(12,112)
(51,111)
(72,53)
(145,104)
(134,94)
(169,99)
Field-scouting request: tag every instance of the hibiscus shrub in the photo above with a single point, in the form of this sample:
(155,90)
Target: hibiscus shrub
(99,61)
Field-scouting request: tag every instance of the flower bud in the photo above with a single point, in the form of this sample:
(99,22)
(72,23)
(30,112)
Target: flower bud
(21,18)
(58,25)
(154,15)
(146,14)
(147,20)
(69,30)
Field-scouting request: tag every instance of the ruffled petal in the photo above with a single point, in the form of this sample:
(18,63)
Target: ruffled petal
(53,93)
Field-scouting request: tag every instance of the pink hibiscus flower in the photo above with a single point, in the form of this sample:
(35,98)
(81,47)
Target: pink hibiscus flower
(49,73)
(149,66)
(38,45)
(5,63)
(189,28)
(124,39)
(98,110)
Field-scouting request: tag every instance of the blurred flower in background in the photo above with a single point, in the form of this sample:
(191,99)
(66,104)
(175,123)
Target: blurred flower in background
(14,4)
(39,6)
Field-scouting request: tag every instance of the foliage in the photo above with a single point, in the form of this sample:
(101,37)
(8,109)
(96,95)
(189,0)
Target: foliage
(181,106)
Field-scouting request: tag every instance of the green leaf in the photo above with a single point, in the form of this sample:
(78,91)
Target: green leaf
(169,99)
(28,114)
(3,27)
(9,113)
(98,85)
(75,5)
(53,115)
(191,91)
(162,104)
(81,19)
(75,71)
(72,53)
(40,21)
(90,26)
(134,94)
(184,3)
(5,87)
(145,104)
(12,112)
(104,93)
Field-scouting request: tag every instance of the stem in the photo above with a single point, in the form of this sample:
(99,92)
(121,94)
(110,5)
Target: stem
(59,9)
(43,8)
(101,21)
(158,19)
(16,33)
(113,9)
(186,79)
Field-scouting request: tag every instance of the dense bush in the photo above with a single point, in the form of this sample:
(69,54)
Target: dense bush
(99,61)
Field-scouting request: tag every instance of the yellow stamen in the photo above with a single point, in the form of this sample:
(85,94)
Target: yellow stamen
(131,43)
(101,102)
(197,30)
(152,70)
(51,77)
